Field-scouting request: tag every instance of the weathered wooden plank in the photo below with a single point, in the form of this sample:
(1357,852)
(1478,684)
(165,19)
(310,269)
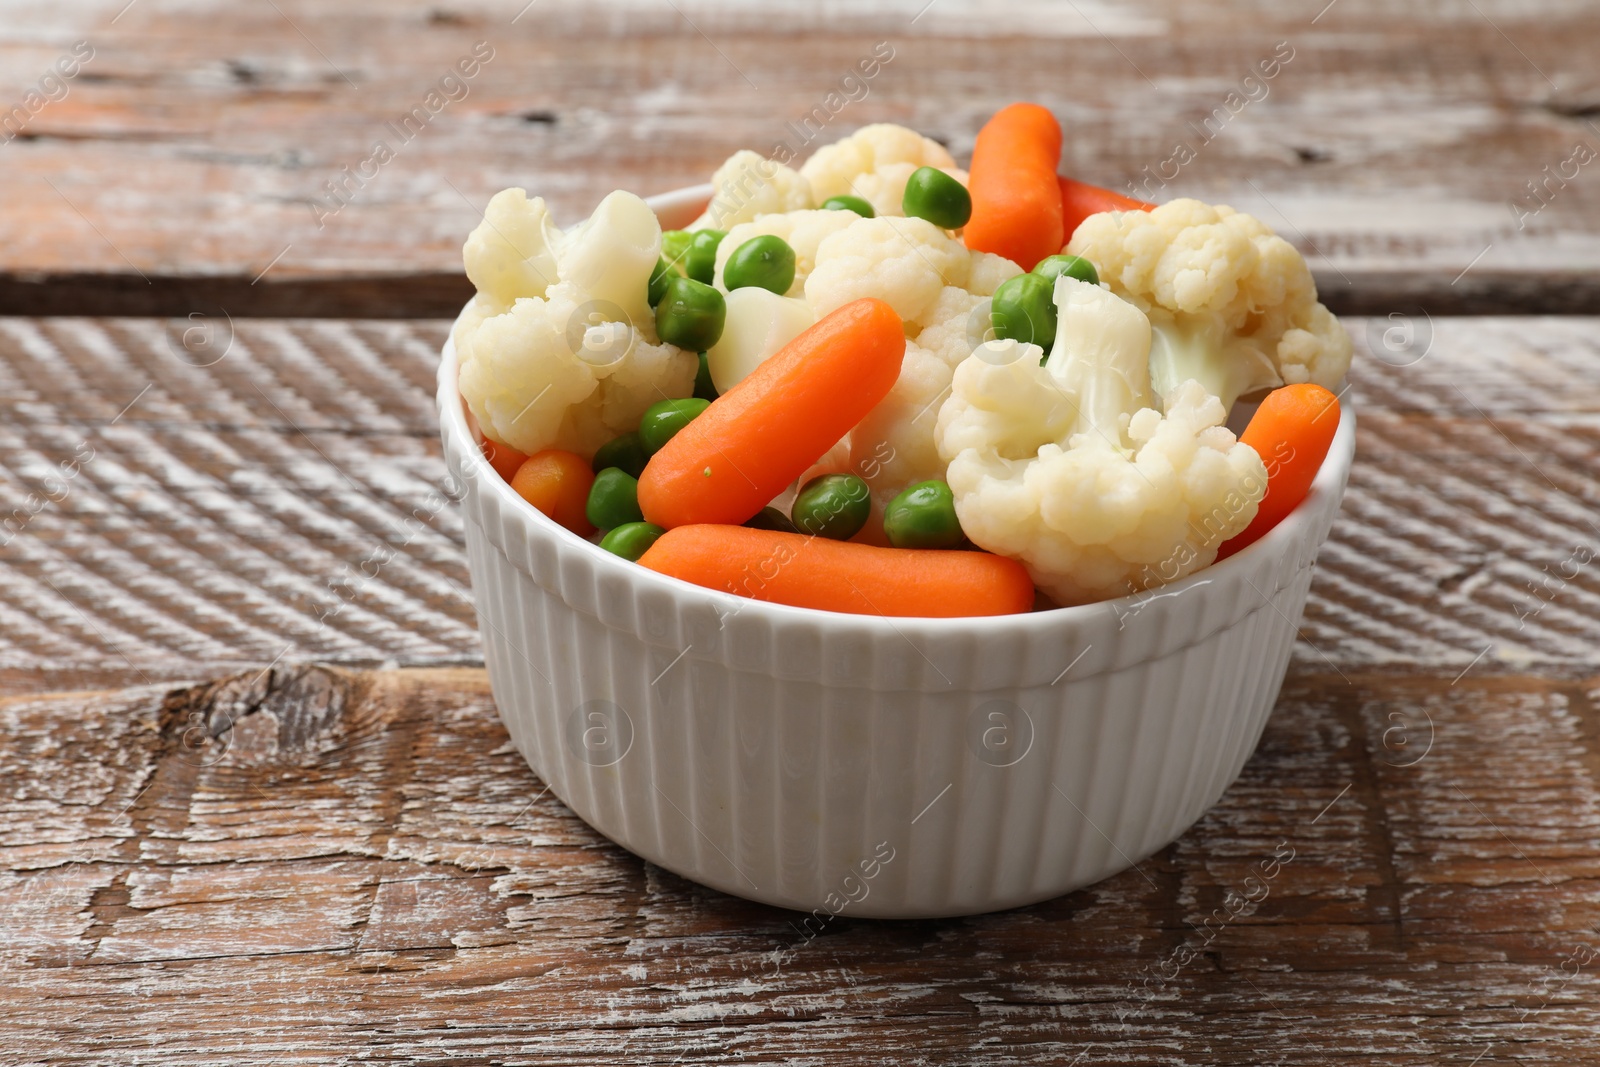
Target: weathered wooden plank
(276,495)
(358,865)
(1430,153)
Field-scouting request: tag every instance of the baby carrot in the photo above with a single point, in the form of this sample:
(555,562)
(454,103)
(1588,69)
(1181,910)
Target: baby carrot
(557,483)
(1079,200)
(815,572)
(763,433)
(1292,430)
(1016,203)
(503,458)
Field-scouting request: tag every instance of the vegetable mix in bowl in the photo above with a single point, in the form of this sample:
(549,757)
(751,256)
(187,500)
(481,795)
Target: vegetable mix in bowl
(881,384)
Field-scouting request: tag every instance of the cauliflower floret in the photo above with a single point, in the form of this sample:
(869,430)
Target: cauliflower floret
(803,230)
(605,256)
(917,267)
(1316,349)
(576,364)
(1000,403)
(1066,468)
(893,446)
(748,186)
(988,271)
(952,325)
(1232,304)
(905,262)
(511,254)
(518,373)
(874,164)
(541,376)
(479,309)
(651,372)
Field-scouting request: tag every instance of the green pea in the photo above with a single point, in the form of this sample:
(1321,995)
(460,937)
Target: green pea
(923,516)
(832,505)
(665,418)
(1053,267)
(690,315)
(660,278)
(632,539)
(1024,310)
(613,499)
(700,262)
(933,195)
(675,245)
(764,262)
(704,387)
(770,518)
(626,453)
(849,203)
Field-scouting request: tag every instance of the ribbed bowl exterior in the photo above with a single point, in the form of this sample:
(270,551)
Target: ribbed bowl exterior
(891,768)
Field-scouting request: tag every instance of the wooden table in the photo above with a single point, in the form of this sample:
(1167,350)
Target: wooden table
(241,828)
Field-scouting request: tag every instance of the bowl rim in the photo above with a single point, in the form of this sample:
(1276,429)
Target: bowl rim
(1293,528)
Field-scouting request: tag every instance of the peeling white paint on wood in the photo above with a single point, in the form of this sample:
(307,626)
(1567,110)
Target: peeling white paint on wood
(226,518)
(369,869)
(1395,139)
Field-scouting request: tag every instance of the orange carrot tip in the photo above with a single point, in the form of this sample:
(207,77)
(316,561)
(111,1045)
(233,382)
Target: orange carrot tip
(1292,431)
(1016,199)
(557,483)
(1079,200)
(503,458)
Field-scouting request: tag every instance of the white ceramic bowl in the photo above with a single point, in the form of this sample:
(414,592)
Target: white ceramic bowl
(895,768)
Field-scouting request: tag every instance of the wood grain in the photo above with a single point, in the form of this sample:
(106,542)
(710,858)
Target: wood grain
(314,865)
(273,493)
(233,832)
(276,495)
(181,168)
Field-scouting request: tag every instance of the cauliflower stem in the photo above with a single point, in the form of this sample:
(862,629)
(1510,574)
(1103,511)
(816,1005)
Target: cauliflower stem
(1233,305)
(1101,357)
(1200,347)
